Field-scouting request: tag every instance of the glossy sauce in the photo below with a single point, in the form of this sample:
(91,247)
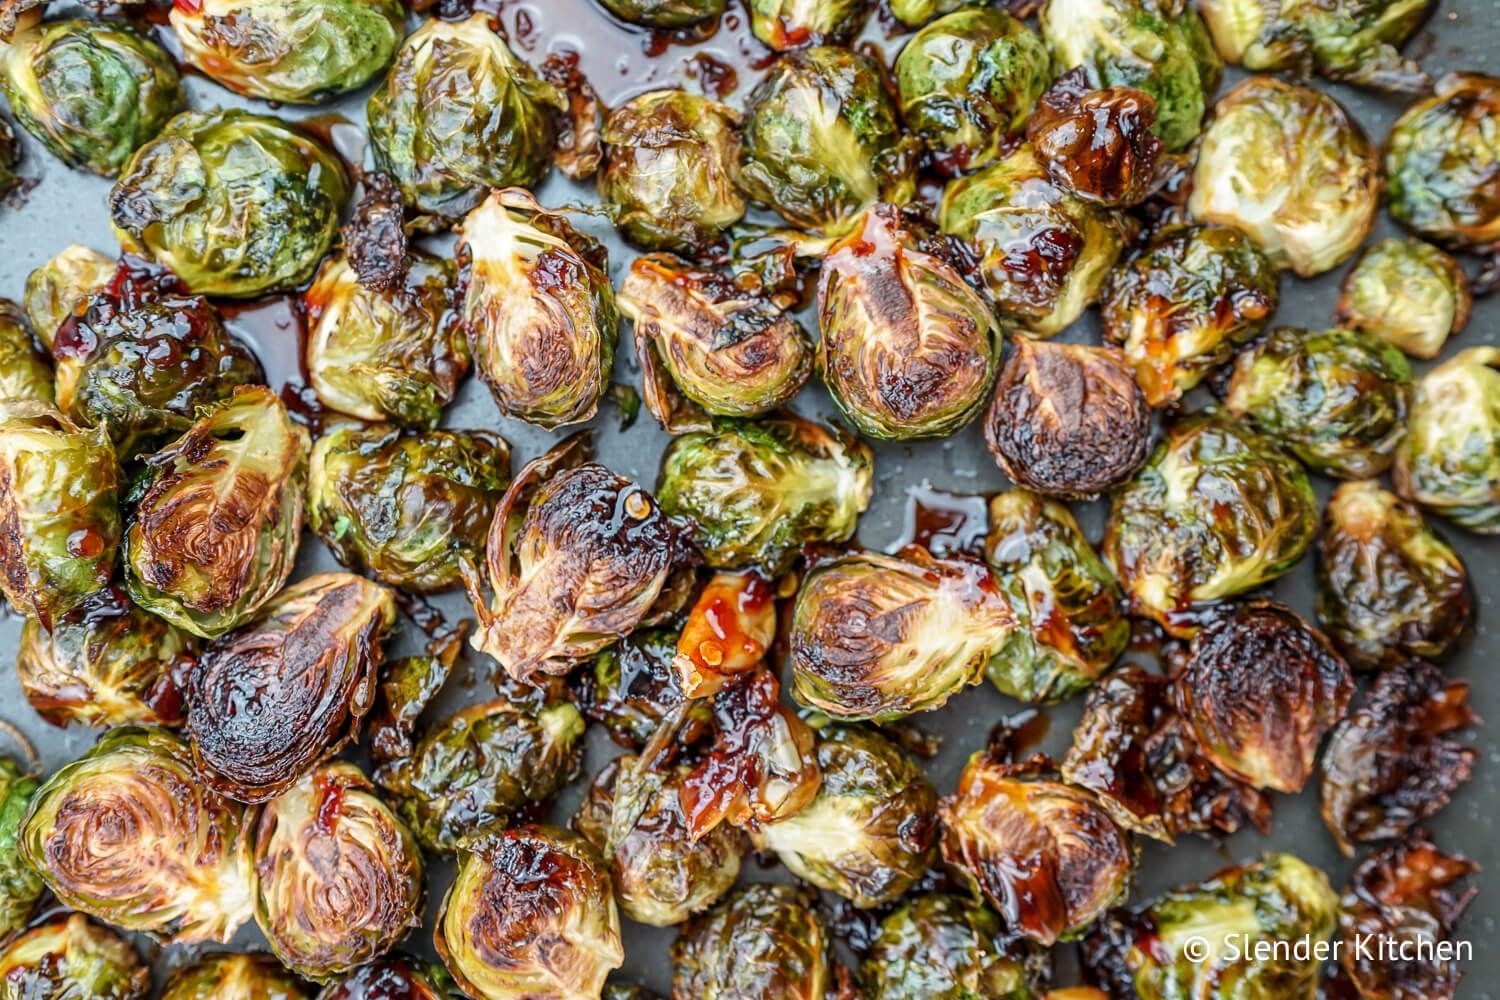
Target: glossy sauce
(275,331)
(946,524)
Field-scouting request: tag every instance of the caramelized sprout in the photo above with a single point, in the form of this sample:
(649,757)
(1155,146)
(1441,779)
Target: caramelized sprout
(20,885)
(1449,461)
(64,285)
(1097,144)
(229,976)
(669,14)
(25,372)
(727,633)
(794,24)
(72,958)
(940,946)
(631,687)
(395,977)
(1406,293)
(764,941)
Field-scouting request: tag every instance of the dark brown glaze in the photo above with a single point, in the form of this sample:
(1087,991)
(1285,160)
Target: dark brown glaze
(375,235)
(395,977)
(1390,765)
(1068,420)
(578,146)
(945,524)
(727,633)
(1098,144)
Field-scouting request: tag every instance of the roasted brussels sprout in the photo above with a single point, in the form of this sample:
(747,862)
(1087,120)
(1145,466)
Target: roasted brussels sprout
(218,515)
(1044,853)
(59,487)
(91,92)
(631,687)
(879,637)
(1389,587)
(939,946)
(968,81)
(915,13)
(727,633)
(229,976)
(20,885)
(1200,941)
(671,161)
(1217,511)
(764,941)
(1442,164)
(757,491)
(71,958)
(24,371)
(469,774)
(670,14)
(406,508)
(1407,293)
(396,977)
(1070,623)
(1044,254)
(1353,41)
(1183,306)
(408,685)
(338,876)
(822,141)
(538,309)
(235,204)
(1310,206)
(530,914)
(9,154)
(1158,46)
(1259,691)
(126,833)
(459,114)
(1449,461)
(1336,399)
(303,51)
(1097,144)
(270,700)
(394,355)
(794,24)
(64,285)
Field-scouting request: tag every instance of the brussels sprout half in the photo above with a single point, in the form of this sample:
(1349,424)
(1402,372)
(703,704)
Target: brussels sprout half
(940,946)
(20,885)
(1449,461)
(915,13)
(764,941)
(63,285)
(229,976)
(396,977)
(25,373)
(1406,293)
(670,14)
(72,958)
(794,24)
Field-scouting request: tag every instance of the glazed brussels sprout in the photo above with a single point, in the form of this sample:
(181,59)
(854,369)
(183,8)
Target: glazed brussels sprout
(218,515)
(1217,511)
(1161,48)
(940,946)
(915,13)
(59,488)
(71,958)
(1192,942)
(822,141)
(538,310)
(394,355)
(727,633)
(408,684)
(235,204)
(459,114)
(764,941)
(229,976)
(1044,853)
(105,663)
(968,81)
(1449,461)
(1183,306)
(396,977)
(301,51)
(1389,587)
(939,623)
(794,24)
(757,491)
(406,508)
(1097,144)
(1442,164)
(1351,41)
(631,687)
(1044,254)
(64,285)
(270,700)
(1309,207)
(127,834)
(1260,690)
(669,14)
(1070,623)
(671,160)
(469,774)
(20,885)
(530,913)
(91,92)
(1406,293)
(871,831)
(24,371)
(1336,399)
(909,348)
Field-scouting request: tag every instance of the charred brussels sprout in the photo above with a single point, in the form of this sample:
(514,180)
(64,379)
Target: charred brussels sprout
(822,141)
(459,114)
(1336,399)
(631,687)
(390,355)
(270,700)
(909,349)
(668,14)
(59,490)
(671,161)
(968,81)
(406,508)
(20,885)
(879,637)
(397,977)
(1442,164)
(1044,853)
(1070,624)
(939,946)
(538,310)
(1185,304)
(1044,254)
(764,941)
(24,371)
(1449,461)
(235,977)
(1407,293)
(302,51)
(127,834)
(793,24)
(91,92)
(64,285)
(1097,144)
(218,515)
(1217,511)
(530,913)
(71,958)
(1309,207)
(1389,587)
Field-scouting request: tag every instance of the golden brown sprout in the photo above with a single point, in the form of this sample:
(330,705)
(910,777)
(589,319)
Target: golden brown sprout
(72,958)
(228,976)
(727,633)
(1407,293)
